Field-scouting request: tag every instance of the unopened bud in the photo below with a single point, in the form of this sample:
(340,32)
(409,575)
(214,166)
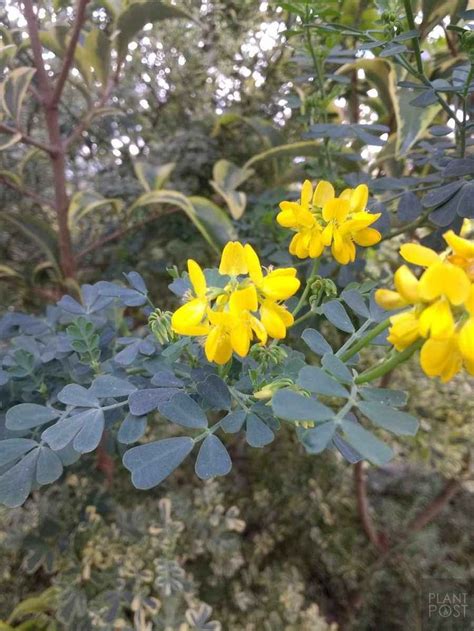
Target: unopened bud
(159,323)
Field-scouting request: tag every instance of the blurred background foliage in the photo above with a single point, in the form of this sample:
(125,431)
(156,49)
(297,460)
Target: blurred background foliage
(220,113)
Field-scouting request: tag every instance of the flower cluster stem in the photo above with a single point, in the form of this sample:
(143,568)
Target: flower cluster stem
(364,341)
(382,369)
(305,293)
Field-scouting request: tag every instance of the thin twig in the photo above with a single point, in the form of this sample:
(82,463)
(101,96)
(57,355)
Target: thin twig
(360,479)
(121,232)
(28,140)
(86,120)
(434,508)
(33,31)
(26,192)
(71,49)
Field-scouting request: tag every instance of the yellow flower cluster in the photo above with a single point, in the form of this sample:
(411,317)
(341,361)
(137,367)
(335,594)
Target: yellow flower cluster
(320,219)
(441,305)
(249,306)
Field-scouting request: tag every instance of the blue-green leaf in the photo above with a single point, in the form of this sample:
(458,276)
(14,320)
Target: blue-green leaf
(366,443)
(316,439)
(317,380)
(108,386)
(74,394)
(291,406)
(356,302)
(393,398)
(49,466)
(16,483)
(213,459)
(258,434)
(337,368)
(215,393)
(388,418)
(184,410)
(13,448)
(234,421)
(142,402)
(131,429)
(84,430)
(316,342)
(29,415)
(150,464)
(337,315)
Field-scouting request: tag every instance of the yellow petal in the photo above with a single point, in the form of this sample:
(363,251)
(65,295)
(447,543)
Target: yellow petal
(388,299)
(240,338)
(342,249)
(306,193)
(305,219)
(187,317)
(279,287)
(287,219)
(346,193)
(440,358)
(406,283)
(259,329)
(466,340)
(461,247)
(469,304)
(218,347)
(288,215)
(359,198)
(437,320)
(233,261)
(418,254)
(367,237)
(336,208)
(359,221)
(197,278)
(272,320)
(327,234)
(404,330)
(243,300)
(316,245)
(289,206)
(445,279)
(299,244)
(323,192)
(253,264)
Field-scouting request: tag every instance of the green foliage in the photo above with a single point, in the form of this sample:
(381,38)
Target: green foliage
(180,127)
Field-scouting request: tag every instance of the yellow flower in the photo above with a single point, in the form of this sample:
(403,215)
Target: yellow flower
(466,333)
(462,252)
(233,262)
(278,284)
(404,330)
(188,319)
(442,307)
(441,358)
(321,219)
(249,308)
(233,330)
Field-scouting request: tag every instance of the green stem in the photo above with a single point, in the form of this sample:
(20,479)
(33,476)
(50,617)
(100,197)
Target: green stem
(421,77)
(388,365)
(320,77)
(415,40)
(413,225)
(354,337)
(305,293)
(462,139)
(372,334)
(304,317)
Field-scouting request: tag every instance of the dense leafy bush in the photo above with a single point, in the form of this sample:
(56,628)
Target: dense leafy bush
(263,168)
